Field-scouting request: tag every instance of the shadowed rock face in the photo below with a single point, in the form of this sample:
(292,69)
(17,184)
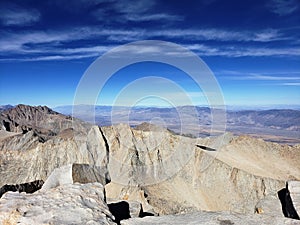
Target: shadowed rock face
(290,199)
(120,210)
(25,187)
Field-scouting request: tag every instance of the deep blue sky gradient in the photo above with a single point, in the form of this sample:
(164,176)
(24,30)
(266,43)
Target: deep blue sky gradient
(252,47)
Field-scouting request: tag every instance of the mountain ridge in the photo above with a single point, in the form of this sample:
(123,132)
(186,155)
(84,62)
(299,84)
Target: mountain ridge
(164,172)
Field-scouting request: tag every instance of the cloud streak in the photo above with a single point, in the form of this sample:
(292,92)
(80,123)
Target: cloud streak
(13,15)
(153,17)
(283,7)
(275,78)
(50,44)
(221,35)
(139,11)
(291,84)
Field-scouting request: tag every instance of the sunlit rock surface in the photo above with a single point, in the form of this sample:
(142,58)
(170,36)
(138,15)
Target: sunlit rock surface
(67,204)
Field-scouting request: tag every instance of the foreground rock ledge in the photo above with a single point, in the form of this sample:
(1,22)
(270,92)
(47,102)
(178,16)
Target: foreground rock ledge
(211,218)
(67,204)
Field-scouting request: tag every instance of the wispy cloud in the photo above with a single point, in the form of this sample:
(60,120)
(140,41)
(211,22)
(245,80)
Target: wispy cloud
(52,43)
(152,17)
(248,51)
(13,15)
(283,7)
(221,35)
(272,76)
(32,41)
(138,11)
(127,6)
(291,84)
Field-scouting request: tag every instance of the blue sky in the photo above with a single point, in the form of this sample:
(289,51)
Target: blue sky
(252,47)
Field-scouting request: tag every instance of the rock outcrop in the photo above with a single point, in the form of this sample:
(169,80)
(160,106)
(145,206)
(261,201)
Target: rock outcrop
(37,163)
(76,173)
(67,204)
(177,176)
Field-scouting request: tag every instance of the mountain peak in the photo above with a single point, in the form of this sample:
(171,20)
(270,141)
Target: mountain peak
(27,109)
(42,120)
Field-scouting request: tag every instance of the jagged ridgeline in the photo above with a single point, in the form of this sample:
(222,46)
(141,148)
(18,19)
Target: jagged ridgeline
(104,175)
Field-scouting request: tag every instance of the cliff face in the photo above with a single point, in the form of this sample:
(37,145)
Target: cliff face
(166,173)
(38,162)
(179,174)
(24,157)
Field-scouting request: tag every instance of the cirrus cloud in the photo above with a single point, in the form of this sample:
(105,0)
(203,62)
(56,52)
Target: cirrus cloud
(13,15)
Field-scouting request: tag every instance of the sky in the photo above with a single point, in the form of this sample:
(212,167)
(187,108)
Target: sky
(251,47)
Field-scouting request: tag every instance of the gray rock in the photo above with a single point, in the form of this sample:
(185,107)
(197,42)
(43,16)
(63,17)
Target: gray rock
(210,218)
(74,173)
(270,205)
(38,162)
(67,204)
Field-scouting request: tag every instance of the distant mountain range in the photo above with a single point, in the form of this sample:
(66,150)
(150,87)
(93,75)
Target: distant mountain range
(5,107)
(278,125)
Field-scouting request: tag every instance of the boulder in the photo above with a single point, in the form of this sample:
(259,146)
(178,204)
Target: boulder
(67,204)
(74,173)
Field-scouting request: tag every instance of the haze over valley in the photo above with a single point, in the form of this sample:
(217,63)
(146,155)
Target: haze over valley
(276,125)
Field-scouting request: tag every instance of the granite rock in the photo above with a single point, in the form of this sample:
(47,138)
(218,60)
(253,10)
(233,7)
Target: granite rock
(67,204)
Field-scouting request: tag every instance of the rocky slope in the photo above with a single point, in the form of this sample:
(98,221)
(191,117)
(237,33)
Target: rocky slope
(186,177)
(164,172)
